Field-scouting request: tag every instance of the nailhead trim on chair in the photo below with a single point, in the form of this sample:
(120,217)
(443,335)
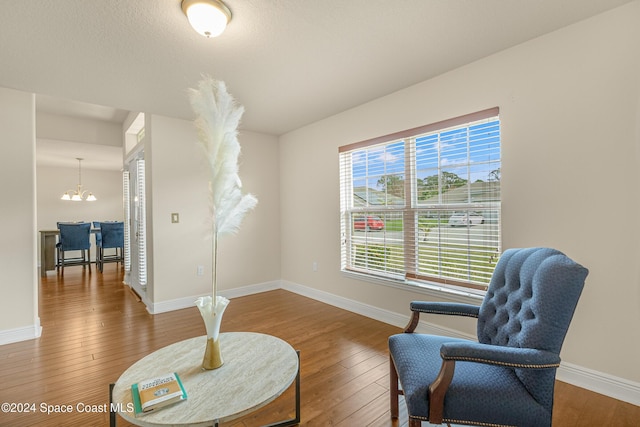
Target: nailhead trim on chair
(447,420)
(475,423)
(494,362)
(452,313)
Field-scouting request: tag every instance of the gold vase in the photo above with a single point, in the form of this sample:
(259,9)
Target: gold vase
(212,355)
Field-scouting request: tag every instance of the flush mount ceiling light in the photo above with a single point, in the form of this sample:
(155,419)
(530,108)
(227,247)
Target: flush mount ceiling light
(78,195)
(207,17)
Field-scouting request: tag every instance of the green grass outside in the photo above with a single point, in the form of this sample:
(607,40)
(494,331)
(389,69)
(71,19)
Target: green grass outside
(452,264)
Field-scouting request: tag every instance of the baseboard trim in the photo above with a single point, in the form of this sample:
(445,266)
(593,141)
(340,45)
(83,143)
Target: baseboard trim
(370,311)
(599,382)
(357,307)
(251,289)
(188,302)
(24,333)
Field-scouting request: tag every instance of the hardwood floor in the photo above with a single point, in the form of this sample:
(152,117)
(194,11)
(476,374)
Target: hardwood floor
(94,328)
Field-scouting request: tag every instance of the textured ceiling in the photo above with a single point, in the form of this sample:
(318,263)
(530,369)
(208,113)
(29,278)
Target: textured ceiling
(289,62)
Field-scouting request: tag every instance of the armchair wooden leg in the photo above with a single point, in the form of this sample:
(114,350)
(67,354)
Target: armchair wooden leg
(393,389)
(414,423)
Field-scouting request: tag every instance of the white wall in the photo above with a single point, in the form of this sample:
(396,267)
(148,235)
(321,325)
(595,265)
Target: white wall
(570,130)
(18,280)
(178,183)
(75,129)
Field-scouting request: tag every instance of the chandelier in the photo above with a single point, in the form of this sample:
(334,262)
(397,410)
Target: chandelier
(78,194)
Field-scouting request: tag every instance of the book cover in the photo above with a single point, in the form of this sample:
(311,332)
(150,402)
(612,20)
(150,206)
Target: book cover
(157,392)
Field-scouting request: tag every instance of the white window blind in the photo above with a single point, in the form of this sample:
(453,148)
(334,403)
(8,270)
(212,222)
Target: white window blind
(127,220)
(141,216)
(424,204)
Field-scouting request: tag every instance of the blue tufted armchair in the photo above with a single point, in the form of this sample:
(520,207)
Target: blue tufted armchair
(506,378)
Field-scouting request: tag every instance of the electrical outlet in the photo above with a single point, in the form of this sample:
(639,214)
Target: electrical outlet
(200,270)
(314,266)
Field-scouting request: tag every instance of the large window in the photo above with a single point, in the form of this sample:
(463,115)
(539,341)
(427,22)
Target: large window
(423,205)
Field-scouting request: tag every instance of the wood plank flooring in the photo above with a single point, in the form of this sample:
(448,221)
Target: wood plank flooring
(94,328)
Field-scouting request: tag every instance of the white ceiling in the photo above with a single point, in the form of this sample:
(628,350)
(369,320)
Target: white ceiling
(289,62)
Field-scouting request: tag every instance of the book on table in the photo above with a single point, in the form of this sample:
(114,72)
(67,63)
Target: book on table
(157,392)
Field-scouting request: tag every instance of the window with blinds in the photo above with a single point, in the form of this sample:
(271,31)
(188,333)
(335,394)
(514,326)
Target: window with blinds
(423,205)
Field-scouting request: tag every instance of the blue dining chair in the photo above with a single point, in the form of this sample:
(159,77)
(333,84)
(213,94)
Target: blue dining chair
(59,244)
(111,237)
(74,238)
(507,377)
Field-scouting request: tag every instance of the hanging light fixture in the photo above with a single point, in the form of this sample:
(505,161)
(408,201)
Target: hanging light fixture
(207,17)
(78,195)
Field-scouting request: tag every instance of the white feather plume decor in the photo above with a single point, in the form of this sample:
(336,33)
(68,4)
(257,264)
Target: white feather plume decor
(218,116)
(217,119)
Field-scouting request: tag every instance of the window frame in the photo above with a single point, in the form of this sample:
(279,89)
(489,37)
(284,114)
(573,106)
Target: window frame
(410,211)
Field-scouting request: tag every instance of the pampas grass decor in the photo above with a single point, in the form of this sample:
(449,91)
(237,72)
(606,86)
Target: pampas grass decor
(217,119)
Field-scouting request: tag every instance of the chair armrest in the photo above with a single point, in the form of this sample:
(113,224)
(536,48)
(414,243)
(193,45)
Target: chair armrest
(481,353)
(514,357)
(448,308)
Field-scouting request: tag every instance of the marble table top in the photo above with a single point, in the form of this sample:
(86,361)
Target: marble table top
(257,368)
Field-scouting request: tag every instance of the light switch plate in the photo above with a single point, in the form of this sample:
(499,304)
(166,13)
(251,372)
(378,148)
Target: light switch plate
(175,218)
